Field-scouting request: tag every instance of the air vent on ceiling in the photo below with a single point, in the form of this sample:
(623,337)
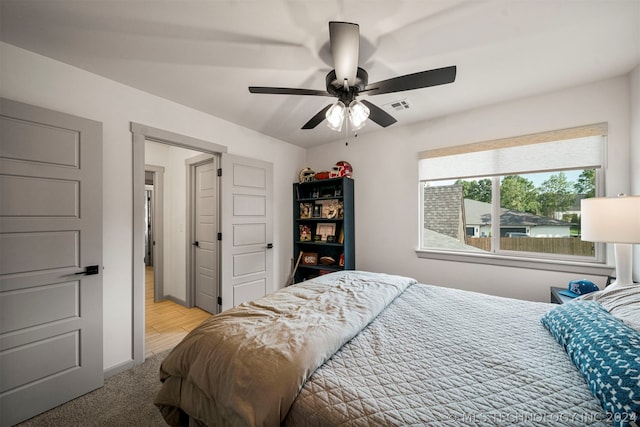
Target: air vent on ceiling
(400,105)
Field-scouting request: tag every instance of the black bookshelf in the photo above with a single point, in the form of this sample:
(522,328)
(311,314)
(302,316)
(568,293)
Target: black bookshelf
(323,224)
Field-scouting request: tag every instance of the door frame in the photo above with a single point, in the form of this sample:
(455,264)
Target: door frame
(158,230)
(191,164)
(142,133)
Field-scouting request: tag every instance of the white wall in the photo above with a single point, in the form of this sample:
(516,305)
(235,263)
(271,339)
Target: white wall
(386,180)
(40,81)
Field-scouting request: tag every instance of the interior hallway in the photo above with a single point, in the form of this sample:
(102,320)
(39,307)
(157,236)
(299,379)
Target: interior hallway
(166,322)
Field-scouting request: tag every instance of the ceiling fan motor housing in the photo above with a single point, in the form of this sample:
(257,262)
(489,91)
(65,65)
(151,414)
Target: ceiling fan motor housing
(336,88)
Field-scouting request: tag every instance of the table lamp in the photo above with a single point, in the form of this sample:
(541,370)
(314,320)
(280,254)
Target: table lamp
(613,220)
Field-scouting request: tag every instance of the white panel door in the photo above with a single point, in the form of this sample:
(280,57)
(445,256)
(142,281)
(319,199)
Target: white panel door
(50,231)
(206,228)
(247,229)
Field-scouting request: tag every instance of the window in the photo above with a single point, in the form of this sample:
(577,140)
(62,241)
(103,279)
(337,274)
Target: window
(531,184)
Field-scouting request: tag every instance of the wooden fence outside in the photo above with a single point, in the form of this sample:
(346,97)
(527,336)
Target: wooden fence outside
(550,245)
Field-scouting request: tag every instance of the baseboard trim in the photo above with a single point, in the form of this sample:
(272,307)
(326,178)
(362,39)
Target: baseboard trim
(176,300)
(124,366)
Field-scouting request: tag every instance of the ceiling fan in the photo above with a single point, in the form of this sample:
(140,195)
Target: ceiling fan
(346,81)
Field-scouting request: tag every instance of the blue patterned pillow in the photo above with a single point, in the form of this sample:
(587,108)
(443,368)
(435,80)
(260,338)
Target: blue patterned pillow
(605,351)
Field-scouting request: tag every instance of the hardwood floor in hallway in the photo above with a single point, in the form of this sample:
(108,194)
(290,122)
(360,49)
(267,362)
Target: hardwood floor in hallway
(166,322)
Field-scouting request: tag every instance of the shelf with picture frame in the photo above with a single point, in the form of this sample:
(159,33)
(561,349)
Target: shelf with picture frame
(323,221)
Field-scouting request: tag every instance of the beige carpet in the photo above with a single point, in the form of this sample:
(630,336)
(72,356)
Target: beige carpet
(125,400)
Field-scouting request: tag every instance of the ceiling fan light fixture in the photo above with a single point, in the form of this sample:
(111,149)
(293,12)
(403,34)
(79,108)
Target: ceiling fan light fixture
(358,114)
(335,116)
(347,80)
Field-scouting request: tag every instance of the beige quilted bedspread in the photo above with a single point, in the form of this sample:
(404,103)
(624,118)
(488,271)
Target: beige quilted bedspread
(245,366)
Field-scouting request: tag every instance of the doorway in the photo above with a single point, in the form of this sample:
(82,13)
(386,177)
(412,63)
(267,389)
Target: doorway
(141,134)
(169,307)
(247,184)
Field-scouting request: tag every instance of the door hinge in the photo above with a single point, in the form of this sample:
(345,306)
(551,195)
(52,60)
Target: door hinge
(219,300)
(219,171)
(219,236)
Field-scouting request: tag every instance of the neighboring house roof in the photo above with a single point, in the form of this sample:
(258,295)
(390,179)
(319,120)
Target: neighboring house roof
(479,213)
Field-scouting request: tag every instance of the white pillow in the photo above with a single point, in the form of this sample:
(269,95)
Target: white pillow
(623,302)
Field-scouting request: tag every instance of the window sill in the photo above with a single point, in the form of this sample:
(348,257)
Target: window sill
(564,266)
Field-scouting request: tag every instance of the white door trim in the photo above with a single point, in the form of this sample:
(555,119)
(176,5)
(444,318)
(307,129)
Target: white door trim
(142,133)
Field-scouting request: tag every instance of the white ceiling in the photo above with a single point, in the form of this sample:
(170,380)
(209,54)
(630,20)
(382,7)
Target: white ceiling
(205,53)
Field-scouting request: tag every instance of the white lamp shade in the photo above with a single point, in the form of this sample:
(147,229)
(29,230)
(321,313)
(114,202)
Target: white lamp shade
(335,116)
(611,219)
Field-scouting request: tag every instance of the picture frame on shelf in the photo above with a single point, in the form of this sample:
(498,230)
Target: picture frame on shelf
(324,208)
(309,258)
(306,210)
(324,229)
(317,211)
(331,209)
(305,233)
(331,239)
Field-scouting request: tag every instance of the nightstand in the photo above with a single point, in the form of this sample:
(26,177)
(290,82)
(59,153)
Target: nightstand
(558,298)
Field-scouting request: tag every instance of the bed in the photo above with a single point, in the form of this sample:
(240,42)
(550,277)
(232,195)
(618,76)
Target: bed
(356,348)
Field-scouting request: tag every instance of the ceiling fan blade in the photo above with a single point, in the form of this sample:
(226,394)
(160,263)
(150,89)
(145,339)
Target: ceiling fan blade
(378,115)
(439,76)
(317,119)
(345,48)
(287,91)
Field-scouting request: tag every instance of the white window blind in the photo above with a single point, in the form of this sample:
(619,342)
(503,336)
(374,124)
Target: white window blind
(515,156)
